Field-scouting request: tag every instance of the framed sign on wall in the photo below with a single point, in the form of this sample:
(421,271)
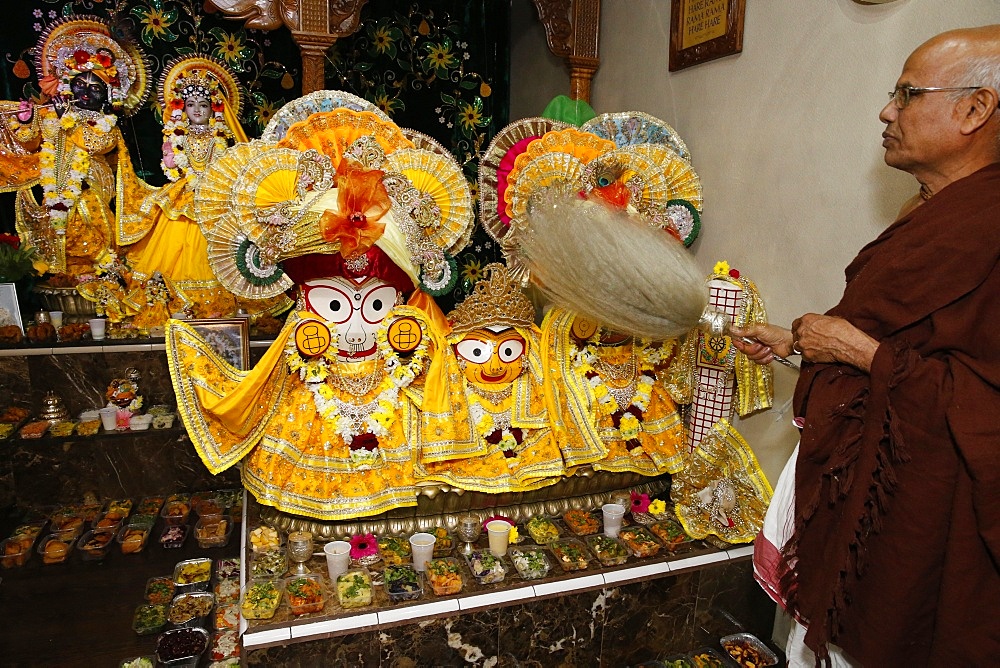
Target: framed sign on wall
(703,30)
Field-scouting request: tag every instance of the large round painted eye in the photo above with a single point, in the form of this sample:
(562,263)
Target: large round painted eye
(332,304)
(377,303)
(510,350)
(474,350)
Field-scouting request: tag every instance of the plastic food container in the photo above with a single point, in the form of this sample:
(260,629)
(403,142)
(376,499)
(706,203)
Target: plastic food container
(118,509)
(677,661)
(305,593)
(639,541)
(173,536)
(192,575)
(69,522)
(486,567)
(260,599)
(207,503)
(581,522)
(394,550)
(225,645)
(707,657)
(159,590)
(444,542)
(107,523)
(150,505)
(175,510)
(133,538)
(264,538)
(16,551)
(748,650)
(138,662)
(227,591)
(213,531)
(94,545)
(609,551)
(55,547)
(531,562)
(226,569)
(444,576)
(670,533)
(149,618)
(570,554)
(178,646)
(354,588)
(271,564)
(165,421)
(402,582)
(193,609)
(542,530)
(140,422)
(227,616)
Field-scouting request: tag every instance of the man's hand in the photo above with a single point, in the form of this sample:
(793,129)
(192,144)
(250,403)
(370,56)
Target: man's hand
(771,340)
(824,338)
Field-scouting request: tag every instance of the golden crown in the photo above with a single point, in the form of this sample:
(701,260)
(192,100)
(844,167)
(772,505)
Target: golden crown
(495,300)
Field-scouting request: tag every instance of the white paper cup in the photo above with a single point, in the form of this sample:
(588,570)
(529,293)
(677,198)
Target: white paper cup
(499,533)
(338,558)
(422,547)
(97,326)
(613,513)
(55,317)
(109,418)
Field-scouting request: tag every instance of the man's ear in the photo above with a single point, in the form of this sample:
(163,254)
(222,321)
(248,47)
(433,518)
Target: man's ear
(978,108)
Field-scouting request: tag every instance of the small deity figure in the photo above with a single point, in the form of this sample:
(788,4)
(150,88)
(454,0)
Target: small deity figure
(496,344)
(72,147)
(201,101)
(326,423)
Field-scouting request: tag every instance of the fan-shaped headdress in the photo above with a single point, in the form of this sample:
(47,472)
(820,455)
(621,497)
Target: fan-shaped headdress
(495,300)
(199,75)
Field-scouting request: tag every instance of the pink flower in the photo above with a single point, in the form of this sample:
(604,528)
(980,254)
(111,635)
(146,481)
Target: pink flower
(363,546)
(640,503)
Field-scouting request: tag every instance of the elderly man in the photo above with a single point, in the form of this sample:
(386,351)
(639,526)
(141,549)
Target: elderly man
(895,552)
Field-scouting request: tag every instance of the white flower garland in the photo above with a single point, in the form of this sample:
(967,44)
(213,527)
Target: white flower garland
(177,131)
(60,200)
(629,427)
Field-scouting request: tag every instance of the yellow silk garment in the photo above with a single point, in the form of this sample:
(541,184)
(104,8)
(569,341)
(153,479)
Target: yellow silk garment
(538,462)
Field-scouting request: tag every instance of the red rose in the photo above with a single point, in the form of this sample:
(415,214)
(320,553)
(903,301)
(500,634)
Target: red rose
(217,106)
(81,56)
(104,59)
(364,442)
(176,103)
(734,273)
(11,240)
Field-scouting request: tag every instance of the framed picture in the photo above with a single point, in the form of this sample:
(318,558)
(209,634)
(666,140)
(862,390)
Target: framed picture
(703,30)
(230,337)
(10,313)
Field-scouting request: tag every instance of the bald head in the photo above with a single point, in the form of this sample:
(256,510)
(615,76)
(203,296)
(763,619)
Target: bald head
(968,56)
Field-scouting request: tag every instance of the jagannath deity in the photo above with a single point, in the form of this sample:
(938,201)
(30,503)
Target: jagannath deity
(495,343)
(71,146)
(359,219)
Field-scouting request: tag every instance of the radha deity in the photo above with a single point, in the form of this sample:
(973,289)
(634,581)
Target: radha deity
(346,209)
(73,147)
(496,344)
(200,99)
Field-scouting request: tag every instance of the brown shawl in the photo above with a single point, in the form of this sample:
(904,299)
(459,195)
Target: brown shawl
(897,530)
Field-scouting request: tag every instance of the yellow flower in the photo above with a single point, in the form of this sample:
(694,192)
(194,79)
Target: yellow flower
(230,47)
(472,270)
(157,22)
(657,507)
(40,266)
(470,116)
(439,57)
(512,535)
(721,267)
(265,110)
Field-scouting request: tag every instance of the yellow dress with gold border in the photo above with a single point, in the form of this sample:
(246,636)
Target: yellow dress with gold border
(294,458)
(532,463)
(648,439)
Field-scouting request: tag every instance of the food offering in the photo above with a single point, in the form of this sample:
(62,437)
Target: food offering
(6,429)
(191,609)
(395,550)
(748,650)
(570,554)
(138,662)
(88,427)
(305,593)
(181,645)
(226,569)
(213,531)
(149,618)
(677,662)
(269,565)
(34,429)
(150,505)
(63,428)
(94,544)
(13,416)
(609,551)
(159,590)
(107,523)
(708,658)
(173,536)
(16,550)
(192,575)
(176,509)
(581,522)
(542,530)
(132,538)
(531,562)
(639,541)
(264,538)
(486,567)
(443,542)
(118,508)
(260,599)
(402,582)
(207,503)
(671,533)
(444,576)
(55,547)
(227,591)
(227,616)
(67,520)
(354,588)
(225,645)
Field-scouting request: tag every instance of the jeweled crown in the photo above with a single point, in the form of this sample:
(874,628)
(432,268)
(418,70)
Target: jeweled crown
(495,300)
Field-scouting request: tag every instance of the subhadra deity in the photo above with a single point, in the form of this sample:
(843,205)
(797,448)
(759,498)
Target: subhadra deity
(72,147)
(344,208)
(201,101)
(605,393)
(495,342)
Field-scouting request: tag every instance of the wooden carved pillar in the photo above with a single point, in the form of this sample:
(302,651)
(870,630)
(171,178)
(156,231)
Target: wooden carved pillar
(315,26)
(571,32)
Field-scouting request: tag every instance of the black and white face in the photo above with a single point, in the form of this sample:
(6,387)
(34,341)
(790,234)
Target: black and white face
(198,110)
(89,91)
(354,311)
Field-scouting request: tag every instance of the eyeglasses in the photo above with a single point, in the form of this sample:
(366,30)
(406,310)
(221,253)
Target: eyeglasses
(901,95)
